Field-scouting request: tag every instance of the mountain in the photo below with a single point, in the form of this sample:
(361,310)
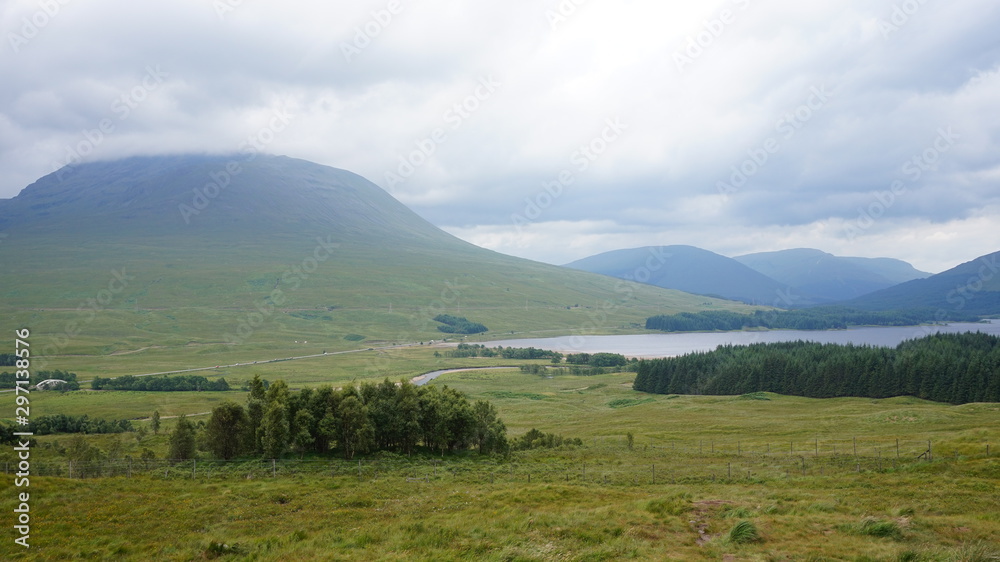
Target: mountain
(687,269)
(827,277)
(214,255)
(969,288)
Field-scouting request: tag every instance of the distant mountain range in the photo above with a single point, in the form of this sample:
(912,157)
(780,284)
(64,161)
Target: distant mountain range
(826,277)
(797,277)
(688,269)
(971,288)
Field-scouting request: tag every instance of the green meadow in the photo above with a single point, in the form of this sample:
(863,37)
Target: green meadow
(757,477)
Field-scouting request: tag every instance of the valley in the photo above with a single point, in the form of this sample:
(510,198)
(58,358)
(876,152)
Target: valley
(307,288)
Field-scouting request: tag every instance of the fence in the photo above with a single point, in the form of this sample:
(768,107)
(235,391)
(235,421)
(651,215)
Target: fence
(653,462)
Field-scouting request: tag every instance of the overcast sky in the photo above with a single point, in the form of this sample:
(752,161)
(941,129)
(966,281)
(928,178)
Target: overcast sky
(552,129)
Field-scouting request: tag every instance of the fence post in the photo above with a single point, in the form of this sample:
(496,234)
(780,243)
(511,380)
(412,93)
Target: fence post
(194,468)
(274,468)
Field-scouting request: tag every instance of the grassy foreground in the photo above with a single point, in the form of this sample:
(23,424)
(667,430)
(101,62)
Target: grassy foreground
(935,515)
(698,467)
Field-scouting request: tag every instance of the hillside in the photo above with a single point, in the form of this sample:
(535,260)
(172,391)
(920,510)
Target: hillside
(971,288)
(827,277)
(688,269)
(177,259)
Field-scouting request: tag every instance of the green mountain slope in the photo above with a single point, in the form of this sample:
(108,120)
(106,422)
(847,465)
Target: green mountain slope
(688,269)
(213,255)
(827,277)
(970,288)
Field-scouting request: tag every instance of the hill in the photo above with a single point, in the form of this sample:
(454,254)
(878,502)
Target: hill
(687,269)
(827,277)
(179,260)
(969,288)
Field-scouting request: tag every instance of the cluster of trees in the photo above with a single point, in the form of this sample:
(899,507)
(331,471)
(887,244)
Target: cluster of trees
(176,383)
(819,318)
(954,368)
(479,350)
(536,439)
(597,359)
(7,359)
(7,380)
(61,423)
(458,325)
(353,420)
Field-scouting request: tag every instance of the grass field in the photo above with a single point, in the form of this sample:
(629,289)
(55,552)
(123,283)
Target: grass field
(785,464)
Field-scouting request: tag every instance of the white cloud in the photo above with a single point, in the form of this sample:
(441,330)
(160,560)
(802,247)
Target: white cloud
(744,66)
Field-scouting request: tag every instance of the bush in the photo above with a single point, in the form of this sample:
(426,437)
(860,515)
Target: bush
(458,325)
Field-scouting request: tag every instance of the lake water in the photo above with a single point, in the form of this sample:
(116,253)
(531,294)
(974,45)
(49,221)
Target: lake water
(672,344)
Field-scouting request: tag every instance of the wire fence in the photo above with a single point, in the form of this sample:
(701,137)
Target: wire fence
(653,462)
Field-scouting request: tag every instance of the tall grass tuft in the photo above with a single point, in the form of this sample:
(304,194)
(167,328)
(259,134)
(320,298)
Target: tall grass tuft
(976,552)
(880,528)
(743,532)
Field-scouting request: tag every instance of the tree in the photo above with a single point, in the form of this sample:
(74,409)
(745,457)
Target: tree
(257,389)
(274,430)
(356,432)
(156,422)
(490,434)
(255,422)
(407,417)
(277,392)
(182,440)
(226,430)
(302,438)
